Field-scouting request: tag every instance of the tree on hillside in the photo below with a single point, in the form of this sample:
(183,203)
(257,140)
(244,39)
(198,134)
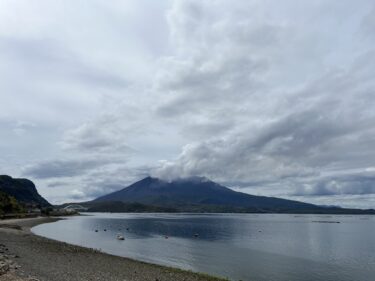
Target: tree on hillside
(9,204)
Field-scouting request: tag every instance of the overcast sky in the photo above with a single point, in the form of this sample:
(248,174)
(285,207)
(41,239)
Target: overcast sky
(267,97)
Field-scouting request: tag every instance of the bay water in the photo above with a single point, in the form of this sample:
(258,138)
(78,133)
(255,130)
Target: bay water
(251,247)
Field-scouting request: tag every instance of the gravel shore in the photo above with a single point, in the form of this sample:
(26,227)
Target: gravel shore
(25,256)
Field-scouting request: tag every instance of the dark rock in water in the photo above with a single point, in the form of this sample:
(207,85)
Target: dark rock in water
(23,190)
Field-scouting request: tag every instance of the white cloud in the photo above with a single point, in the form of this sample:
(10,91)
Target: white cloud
(264,96)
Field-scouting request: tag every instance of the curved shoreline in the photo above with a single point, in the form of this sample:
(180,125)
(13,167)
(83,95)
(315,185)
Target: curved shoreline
(39,258)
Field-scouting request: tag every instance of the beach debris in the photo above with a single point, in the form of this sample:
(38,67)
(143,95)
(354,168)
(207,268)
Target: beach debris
(4,267)
(6,262)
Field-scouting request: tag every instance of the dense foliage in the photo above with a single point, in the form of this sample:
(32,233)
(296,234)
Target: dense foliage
(9,204)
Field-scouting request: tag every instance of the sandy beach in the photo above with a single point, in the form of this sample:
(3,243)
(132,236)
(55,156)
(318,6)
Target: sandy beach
(25,256)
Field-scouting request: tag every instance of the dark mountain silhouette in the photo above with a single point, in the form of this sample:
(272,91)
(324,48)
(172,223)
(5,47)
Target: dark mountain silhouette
(199,194)
(23,190)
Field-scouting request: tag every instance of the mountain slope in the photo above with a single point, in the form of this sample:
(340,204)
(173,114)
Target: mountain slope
(23,190)
(186,193)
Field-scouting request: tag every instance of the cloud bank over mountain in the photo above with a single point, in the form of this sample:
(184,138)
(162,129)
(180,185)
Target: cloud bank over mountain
(268,98)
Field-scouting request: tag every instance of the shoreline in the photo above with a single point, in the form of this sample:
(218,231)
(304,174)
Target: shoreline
(27,256)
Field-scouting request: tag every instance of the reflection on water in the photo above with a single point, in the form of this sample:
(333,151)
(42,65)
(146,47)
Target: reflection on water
(237,246)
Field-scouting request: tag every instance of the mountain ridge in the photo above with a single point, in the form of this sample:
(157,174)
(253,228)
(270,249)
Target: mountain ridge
(155,190)
(202,194)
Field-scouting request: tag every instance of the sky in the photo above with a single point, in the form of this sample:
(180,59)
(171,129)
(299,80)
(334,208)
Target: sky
(272,98)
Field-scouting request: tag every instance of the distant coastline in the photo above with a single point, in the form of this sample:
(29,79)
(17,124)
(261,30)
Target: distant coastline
(134,207)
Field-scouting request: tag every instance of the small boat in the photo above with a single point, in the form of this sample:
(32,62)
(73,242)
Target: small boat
(120,237)
(196,235)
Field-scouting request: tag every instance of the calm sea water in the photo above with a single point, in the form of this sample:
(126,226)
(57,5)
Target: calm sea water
(237,246)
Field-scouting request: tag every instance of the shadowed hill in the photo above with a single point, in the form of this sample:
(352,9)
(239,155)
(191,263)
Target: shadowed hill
(193,191)
(199,194)
(23,190)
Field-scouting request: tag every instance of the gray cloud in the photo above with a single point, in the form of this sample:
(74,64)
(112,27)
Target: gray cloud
(95,182)
(282,136)
(99,136)
(368,24)
(311,137)
(61,168)
(362,183)
(268,98)
(43,55)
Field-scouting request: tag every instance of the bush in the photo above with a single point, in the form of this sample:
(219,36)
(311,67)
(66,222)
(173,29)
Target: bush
(9,204)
